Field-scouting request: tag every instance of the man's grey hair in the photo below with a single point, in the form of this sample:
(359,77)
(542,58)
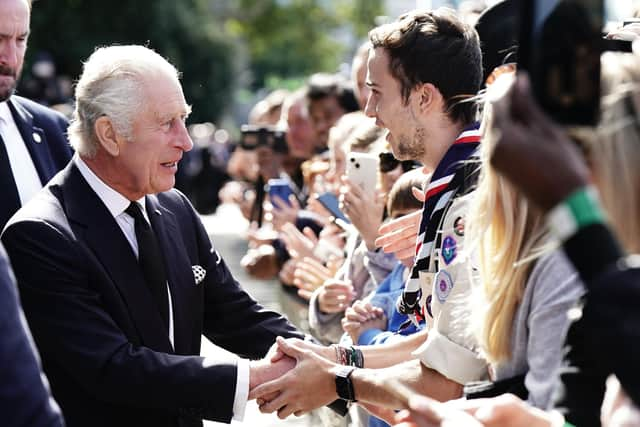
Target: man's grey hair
(113,85)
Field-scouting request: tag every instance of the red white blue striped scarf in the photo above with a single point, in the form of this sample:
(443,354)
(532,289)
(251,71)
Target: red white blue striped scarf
(448,177)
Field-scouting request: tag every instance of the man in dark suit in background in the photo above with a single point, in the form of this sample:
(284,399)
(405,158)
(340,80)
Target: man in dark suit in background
(116,272)
(25,399)
(33,144)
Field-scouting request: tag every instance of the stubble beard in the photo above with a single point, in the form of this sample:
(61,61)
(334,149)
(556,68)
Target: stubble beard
(412,148)
(6,91)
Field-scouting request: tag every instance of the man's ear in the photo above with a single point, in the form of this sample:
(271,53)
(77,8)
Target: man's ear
(107,135)
(428,96)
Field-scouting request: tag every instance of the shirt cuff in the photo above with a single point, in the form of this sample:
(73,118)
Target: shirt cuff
(452,360)
(242,390)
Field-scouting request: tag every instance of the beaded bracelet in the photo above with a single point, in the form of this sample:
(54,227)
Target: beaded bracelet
(349,356)
(580,209)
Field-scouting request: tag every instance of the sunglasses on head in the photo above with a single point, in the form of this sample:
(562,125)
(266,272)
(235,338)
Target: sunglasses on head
(388,163)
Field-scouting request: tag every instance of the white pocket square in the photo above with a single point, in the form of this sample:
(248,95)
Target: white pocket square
(199,273)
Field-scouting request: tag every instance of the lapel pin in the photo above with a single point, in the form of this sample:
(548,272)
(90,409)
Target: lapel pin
(37,138)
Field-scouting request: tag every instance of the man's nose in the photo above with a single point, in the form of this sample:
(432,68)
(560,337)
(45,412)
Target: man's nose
(184,139)
(370,108)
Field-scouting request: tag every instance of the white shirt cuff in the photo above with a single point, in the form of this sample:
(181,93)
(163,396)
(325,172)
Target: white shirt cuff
(242,390)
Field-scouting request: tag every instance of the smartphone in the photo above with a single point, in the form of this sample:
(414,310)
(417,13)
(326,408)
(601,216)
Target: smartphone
(280,188)
(330,203)
(362,170)
(560,46)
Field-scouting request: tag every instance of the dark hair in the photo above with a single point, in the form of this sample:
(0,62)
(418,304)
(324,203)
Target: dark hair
(401,196)
(434,47)
(497,29)
(324,85)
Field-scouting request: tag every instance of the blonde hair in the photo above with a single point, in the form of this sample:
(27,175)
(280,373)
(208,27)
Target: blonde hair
(614,153)
(508,234)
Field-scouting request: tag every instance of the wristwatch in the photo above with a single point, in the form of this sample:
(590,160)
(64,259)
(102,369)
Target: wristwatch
(344,386)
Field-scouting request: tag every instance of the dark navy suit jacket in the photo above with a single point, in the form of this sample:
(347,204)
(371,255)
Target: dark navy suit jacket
(24,396)
(103,343)
(44,134)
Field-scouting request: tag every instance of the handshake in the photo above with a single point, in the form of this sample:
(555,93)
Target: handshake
(294,378)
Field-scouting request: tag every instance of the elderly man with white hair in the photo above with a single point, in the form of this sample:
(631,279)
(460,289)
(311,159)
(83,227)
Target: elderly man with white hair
(117,275)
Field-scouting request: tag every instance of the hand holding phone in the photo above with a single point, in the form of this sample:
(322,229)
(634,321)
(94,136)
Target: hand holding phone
(280,188)
(362,170)
(330,202)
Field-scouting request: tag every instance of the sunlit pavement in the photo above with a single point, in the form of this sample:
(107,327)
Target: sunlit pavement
(227,228)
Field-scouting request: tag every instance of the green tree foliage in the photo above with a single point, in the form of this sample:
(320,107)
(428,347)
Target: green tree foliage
(210,41)
(294,38)
(181,30)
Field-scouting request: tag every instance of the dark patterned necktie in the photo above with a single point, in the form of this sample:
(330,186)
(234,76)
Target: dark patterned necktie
(151,261)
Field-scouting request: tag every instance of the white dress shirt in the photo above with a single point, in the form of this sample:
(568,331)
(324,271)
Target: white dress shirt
(24,171)
(116,203)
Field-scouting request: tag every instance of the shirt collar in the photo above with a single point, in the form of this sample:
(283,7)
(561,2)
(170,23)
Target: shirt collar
(115,202)
(5,113)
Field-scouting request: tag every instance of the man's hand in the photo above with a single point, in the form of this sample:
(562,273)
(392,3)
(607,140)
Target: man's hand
(322,351)
(308,386)
(399,236)
(265,370)
(362,316)
(335,295)
(532,152)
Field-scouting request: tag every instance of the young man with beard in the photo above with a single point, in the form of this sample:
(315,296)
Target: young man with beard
(423,70)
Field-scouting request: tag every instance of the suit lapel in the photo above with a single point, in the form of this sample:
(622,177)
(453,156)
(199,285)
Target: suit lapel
(107,241)
(34,139)
(179,272)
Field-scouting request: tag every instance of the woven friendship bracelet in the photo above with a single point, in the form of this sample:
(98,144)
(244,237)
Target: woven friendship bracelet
(349,356)
(357,358)
(580,209)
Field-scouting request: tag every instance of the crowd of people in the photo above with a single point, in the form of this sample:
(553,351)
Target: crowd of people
(445,248)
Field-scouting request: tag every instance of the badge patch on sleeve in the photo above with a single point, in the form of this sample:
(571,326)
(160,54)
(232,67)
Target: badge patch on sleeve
(449,249)
(458,226)
(444,285)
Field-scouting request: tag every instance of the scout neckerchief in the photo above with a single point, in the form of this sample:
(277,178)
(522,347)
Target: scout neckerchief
(445,181)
